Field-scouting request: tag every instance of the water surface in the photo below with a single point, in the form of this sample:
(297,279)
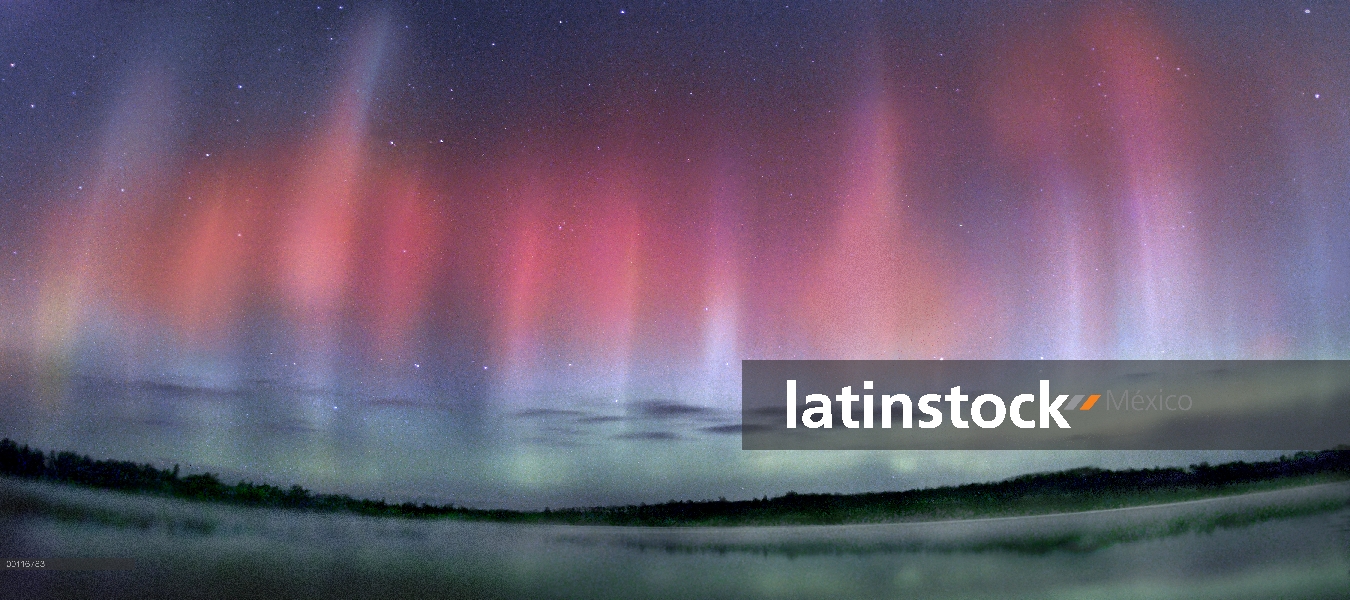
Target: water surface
(185,549)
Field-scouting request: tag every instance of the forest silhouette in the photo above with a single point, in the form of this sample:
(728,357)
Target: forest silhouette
(1071,490)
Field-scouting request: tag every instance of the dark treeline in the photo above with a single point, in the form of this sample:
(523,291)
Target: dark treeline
(70,467)
(1076,489)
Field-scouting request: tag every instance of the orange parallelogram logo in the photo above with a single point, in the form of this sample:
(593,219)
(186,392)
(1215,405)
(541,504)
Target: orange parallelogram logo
(1073,403)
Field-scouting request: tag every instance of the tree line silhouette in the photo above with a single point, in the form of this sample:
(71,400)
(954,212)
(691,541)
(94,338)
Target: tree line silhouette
(1075,489)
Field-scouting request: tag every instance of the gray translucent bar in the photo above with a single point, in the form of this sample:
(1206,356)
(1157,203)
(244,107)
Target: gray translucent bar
(70,564)
(1106,405)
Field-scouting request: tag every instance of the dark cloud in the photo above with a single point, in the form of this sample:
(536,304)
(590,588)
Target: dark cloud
(151,389)
(772,411)
(667,409)
(552,442)
(550,413)
(731,428)
(648,435)
(600,419)
(178,390)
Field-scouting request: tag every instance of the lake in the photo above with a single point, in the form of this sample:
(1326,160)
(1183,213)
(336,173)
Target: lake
(186,549)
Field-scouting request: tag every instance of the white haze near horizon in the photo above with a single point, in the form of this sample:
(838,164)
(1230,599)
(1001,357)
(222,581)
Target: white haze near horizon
(576,452)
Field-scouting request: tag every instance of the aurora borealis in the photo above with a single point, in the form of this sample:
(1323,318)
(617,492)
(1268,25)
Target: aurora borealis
(513,255)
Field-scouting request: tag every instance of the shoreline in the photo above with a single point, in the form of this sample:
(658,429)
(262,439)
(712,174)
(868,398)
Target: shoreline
(1081,531)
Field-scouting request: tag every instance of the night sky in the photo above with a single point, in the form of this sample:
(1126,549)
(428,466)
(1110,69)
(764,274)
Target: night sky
(513,255)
